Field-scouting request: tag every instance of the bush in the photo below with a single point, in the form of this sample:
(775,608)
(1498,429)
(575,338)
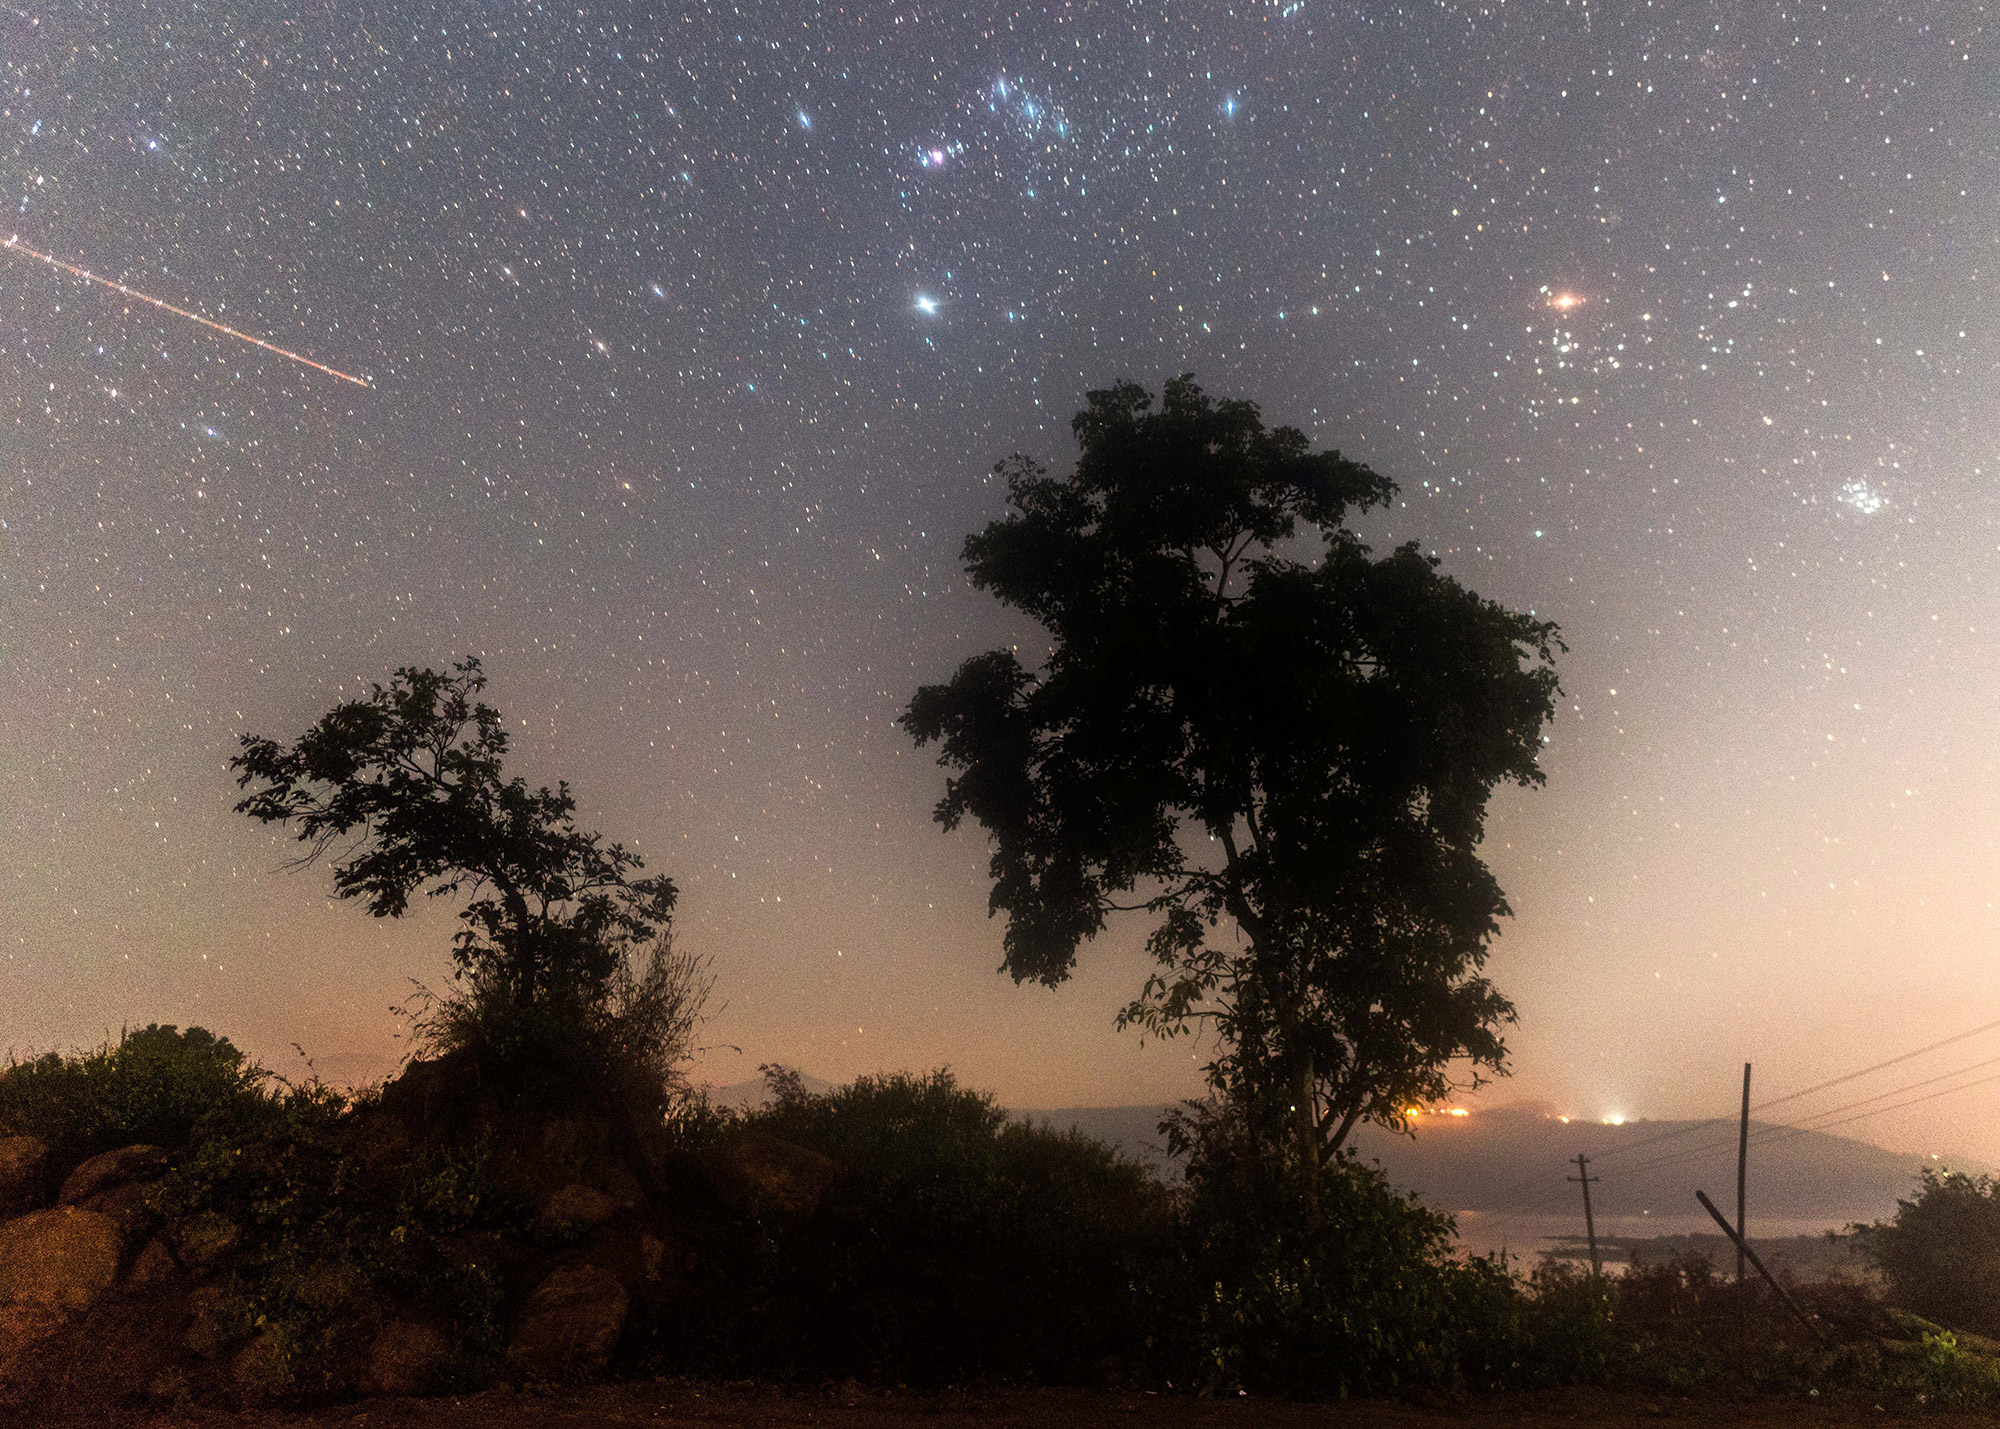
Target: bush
(631,1037)
(156,1085)
(1361,1294)
(955,1243)
(1941,1253)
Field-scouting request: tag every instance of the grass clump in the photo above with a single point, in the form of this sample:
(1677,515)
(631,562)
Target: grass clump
(629,1038)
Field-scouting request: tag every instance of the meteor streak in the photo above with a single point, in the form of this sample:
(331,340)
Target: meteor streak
(15,244)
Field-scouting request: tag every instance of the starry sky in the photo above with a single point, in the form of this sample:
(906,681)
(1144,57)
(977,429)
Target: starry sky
(693,332)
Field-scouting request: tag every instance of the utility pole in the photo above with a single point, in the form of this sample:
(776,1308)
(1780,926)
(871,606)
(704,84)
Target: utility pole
(1584,1178)
(1742,1165)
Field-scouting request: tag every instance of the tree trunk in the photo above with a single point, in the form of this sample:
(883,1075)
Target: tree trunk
(1308,1132)
(524,954)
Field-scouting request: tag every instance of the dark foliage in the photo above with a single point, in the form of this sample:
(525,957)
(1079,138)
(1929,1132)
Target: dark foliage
(155,1085)
(1941,1252)
(1246,715)
(954,1244)
(334,1224)
(1363,1297)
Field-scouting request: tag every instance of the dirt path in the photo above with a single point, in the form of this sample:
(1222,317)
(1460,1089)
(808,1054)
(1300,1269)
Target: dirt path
(681,1404)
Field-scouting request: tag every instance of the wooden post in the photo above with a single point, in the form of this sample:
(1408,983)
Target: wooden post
(1584,1177)
(1743,1247)
(1742,1166)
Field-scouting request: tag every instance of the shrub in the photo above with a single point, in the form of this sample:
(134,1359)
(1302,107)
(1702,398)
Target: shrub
(155,1085)
(631,1038)
(1946,1377)
(1941,1253)
(1360,1295)
(955,1243)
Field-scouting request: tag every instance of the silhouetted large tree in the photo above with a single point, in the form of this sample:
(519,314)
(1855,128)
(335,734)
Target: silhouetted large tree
(1247,719)
(404,791)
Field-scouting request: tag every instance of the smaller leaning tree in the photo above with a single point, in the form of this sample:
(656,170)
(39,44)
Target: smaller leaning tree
(404,791)
(1247,718)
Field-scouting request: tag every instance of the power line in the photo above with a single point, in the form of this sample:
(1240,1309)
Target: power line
(1822,1086)
(1658,1137)
(1928,1096)
(1816,1120)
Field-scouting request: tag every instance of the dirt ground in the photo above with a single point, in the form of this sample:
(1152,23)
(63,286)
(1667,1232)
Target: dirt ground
(682,1404)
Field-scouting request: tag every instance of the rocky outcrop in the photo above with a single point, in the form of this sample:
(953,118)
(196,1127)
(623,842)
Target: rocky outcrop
(152,1265)
(561,1215)
(213,1327)
(755,1173)
(125,1166)
(571,1213)
(62,1258)
(24,1174)
(261,1369)
(125,1207)
(569,1326)
(407,1358)
(204,1240)
(23,1327)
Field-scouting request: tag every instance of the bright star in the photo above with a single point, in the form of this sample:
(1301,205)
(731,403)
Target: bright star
(805,120)
(926,303)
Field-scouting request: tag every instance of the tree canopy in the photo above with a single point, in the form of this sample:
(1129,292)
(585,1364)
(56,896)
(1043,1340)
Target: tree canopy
(405,791)
(1249,725)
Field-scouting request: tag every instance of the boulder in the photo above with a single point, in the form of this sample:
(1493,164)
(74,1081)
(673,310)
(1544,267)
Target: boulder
(205,1239)
(23,1326)
(262,1368)
(111,1168)
(756,1173)
(125,1207)
(153,1264)
(24,1170)
(216,1322)
(572,1213)
(407,1358)
(570,1325)
(64,1257)
(169,1389)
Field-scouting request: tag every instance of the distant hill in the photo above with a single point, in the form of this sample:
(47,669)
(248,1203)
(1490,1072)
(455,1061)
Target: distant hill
(1507,1159)
(742,1096)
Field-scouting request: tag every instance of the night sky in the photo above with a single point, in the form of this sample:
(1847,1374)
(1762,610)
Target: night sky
(694,333)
